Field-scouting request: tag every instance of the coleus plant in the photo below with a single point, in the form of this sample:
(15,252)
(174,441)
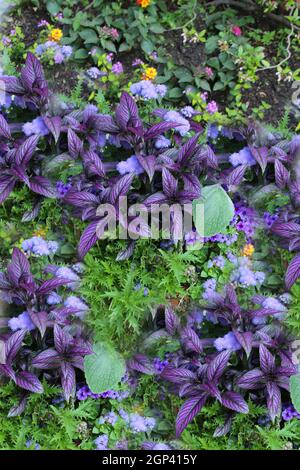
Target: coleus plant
(253,360)
(50,336)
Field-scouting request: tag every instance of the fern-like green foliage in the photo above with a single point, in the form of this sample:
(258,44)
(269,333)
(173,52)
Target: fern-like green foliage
(122,295)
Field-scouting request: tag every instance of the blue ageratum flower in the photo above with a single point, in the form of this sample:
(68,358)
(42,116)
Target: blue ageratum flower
(243,157)
(131,165)
(37,127)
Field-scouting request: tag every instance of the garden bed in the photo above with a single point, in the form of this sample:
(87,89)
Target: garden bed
(122,328)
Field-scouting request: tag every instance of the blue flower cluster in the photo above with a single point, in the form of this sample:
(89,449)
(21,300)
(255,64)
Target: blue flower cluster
(84,393)
(61,53)
(40,247)
(148,90)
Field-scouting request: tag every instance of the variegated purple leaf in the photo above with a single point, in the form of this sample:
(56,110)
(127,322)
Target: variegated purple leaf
(282,175)
(178,376)
(211,389)
(20,173)
(121,188)
(148,164)
(191,340)
(188,412)
(48,359)
(171,320)
(68,381)
(75,145)
(223,429)
(187,150)
(192,184)
(26,150)
(7,371)
(32,74)
(236,176)
(43,186)
(81,199)
(266,359)
(54,125)
(29,382)
(245,339)
(234,401)
(273,400)
(105,123)
(169,183)
(293,272)
(13,344)
(155,199)
(211,158)
(261,156)
(31,214)
(4,128)
(286,229)
(39,319)
(158,129)
(127,112)
(7,184)
(218,365)
(88,239)
(61,339)
(252,380)
(11,85)
(93,163)
(18,267)
(18,409)
(51,284)
(142,364)
(126,253)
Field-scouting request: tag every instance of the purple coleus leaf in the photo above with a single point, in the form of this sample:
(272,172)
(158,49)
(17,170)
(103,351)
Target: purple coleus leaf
(40,320)
(234,401)
(142,364)
(171,320)
(121,188)
(191,340)
(4,128)
(148,164)
(235,178)
(42,186)
(218,365)
(169,183)
(293,272)
(88,239)
(29,382)
(187,150)
(93,163)
(245,339)
(54,125)
(188,412)
(26,150)
(19,268)
(127,113)
(261,156)
(158,129)
(75,145)
(282,175)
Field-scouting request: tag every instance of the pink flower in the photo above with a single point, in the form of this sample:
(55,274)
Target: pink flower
(212,107)
(236,30)
(208,72)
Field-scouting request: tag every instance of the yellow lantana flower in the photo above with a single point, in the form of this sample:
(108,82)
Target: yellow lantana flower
(41,232)
(150,73)
(56,35)
(143,3)
(248,250)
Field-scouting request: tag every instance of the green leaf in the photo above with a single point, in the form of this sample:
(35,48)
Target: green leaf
(89,35)
(211,44)
(213,212)
(147,46)
(201,83)
(81,54)
(218,86)
(156,28)
(295,391)
(175,93)
(104,368)
(53,7)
